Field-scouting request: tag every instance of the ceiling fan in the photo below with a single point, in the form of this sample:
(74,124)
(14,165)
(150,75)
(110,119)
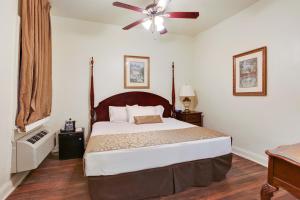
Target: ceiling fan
(154,15)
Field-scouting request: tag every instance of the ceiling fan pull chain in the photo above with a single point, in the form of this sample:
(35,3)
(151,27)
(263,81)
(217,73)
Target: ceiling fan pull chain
(152,25)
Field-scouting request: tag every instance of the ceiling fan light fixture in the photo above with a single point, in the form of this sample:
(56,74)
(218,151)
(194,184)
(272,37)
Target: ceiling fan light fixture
(158,20)
(162,4)
(147,24)
(154,15)
(159,23)
(160,27)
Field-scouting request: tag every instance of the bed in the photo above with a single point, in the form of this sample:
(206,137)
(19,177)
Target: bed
(150,171)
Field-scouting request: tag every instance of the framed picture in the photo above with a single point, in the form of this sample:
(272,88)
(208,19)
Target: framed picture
(136,72)
(250,73)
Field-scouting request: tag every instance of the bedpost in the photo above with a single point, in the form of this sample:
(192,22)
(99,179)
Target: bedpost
(173,91)
(92,95)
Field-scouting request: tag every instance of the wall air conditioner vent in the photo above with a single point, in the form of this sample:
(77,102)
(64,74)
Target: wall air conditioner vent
(31,149)
(37,137)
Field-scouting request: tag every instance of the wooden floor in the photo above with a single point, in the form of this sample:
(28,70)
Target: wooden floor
(64,180)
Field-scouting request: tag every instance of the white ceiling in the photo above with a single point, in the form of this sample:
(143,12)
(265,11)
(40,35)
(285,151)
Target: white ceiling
(211,12)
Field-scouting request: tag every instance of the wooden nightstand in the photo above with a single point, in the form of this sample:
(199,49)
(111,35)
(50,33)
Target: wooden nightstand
(192,117)
(71,144)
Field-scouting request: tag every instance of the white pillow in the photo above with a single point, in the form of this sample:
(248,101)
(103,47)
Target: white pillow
(159,110)
(130,108)
(117,114)
(139,111)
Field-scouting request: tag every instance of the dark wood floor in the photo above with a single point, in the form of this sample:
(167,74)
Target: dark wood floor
(64,180)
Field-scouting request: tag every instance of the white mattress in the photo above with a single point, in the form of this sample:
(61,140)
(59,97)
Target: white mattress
(129,160)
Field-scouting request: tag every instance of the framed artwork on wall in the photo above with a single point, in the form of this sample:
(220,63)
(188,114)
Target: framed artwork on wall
(250,73)
(136,72)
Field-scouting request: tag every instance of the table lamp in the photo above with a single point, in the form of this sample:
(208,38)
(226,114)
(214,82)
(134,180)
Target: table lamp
(186,92)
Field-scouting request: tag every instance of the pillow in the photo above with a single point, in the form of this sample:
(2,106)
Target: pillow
(117,114)
(139,111)
(159,110)
(150,119)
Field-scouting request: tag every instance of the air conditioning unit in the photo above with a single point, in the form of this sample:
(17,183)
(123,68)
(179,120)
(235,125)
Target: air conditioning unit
(31,149)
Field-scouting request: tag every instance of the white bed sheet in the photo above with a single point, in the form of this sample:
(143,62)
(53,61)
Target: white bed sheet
(129,160)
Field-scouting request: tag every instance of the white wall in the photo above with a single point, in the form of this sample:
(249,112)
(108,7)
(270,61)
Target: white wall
(8,87)
(256,123)
(75,41)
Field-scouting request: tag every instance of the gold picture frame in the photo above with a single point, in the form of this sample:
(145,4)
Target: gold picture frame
(136,72)
(250,73)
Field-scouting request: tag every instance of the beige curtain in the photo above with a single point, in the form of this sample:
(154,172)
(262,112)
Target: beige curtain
(35,79)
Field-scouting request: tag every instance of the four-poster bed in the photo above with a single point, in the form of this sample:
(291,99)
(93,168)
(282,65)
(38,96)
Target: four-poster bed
(100,113)
(131,167)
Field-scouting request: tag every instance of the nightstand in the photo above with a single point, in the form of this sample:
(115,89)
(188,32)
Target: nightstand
(192,117)
(71,144)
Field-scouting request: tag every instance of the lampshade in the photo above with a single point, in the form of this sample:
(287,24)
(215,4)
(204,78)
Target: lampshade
(186,91)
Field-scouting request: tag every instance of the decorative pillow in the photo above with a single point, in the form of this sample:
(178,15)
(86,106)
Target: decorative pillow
(150,119)
(117,114)
(139,111)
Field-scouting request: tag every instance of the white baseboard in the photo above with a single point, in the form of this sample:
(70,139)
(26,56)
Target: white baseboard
(262,160)
(12,184)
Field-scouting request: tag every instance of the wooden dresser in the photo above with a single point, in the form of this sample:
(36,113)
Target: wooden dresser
(283,171)
(192,117)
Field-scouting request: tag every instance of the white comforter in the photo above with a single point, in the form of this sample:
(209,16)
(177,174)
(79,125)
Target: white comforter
(129,160)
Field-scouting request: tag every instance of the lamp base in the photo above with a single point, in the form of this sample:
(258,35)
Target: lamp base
(186,104)
(186,111)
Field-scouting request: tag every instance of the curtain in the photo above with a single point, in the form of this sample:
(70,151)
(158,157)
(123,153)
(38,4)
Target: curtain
(35,76)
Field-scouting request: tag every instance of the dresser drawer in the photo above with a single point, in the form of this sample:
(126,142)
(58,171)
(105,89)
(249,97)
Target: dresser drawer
(193,117)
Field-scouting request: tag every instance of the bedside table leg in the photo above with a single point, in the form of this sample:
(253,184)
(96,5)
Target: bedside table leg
(267,191)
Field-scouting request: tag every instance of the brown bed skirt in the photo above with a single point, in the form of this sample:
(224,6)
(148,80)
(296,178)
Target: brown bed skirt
(160,181)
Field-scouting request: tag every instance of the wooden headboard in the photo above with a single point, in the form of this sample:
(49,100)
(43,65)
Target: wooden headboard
(130,98)
(101,112)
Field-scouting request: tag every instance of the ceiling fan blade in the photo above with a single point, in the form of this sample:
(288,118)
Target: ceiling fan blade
(134,24)
(127,6)
(187,15)
(163,31)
